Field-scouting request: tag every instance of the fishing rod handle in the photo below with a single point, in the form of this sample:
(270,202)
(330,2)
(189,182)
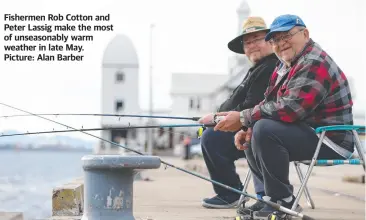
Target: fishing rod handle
(216,119)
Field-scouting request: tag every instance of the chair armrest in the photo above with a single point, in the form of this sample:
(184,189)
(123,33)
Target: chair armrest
(339,128)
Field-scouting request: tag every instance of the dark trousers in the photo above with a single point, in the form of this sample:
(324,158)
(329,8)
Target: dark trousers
(274,145)
(220,153)
(187,152)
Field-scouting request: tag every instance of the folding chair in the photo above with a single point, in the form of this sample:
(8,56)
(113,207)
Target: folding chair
(243,199)
(314,162)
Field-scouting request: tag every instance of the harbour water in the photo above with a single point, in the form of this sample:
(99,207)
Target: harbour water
(28,177)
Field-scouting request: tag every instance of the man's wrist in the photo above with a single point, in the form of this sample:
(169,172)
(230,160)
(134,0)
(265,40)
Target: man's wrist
(245,117)
(214,117)
(242,117)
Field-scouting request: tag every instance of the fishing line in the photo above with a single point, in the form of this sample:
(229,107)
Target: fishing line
(272,204)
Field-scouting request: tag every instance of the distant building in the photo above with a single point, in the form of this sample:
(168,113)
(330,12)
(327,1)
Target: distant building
(238,62)
(120,95)
(193,98)
(120,92)
(192,93)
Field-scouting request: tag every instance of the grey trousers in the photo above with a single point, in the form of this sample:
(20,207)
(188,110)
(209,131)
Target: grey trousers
(274,145)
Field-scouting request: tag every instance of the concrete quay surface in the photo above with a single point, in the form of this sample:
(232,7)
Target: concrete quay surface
(171,194)
(11,216)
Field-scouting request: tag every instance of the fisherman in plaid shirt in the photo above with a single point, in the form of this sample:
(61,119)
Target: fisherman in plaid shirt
(306,90)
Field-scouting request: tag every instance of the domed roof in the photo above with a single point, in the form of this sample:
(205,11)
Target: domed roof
(120,51)
(243,7)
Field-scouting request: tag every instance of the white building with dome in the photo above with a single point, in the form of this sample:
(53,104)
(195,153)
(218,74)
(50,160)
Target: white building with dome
(120,92)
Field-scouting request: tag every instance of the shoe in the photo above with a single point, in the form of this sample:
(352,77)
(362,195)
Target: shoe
(248,211)
(221,201)
(268,210)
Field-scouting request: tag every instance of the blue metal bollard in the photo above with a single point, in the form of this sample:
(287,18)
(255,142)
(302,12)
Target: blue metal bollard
(108,185)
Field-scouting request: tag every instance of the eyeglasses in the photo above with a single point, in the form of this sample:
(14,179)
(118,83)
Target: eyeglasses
(285,37)
(255,41)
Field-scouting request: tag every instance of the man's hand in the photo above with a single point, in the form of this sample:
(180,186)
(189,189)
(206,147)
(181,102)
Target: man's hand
(231,121)
(242,139)
(206,119)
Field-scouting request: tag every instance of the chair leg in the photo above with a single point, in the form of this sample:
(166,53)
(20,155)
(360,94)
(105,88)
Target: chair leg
(359,148)
(306,190)
(308,172)
(245,187)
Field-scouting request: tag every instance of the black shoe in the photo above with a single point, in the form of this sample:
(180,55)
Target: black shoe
(222,202)
(268,210)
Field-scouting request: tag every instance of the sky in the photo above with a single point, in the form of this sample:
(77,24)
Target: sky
(189,36)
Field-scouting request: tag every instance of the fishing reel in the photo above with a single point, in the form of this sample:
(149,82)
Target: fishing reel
(245,217)
(274,216)
(200,131)
(279,216)
(216,119)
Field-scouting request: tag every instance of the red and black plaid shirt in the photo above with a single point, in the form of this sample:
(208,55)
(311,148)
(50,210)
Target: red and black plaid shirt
(314,90)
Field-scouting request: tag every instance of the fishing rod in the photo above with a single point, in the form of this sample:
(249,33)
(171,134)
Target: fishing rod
(275,206)
(111,128)
(106,115)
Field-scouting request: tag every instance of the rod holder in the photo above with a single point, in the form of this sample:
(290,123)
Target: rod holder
(108,185)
